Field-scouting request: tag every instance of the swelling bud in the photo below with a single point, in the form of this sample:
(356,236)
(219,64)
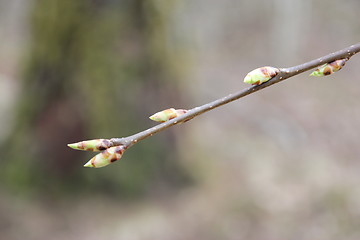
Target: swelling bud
(91,145)
(106,157)
(167,114)
(329,68)
(261,75)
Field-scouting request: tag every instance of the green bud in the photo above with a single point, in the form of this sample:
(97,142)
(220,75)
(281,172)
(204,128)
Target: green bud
(91,145)
(106,157)
(261,75)
(167,114)
(329,68)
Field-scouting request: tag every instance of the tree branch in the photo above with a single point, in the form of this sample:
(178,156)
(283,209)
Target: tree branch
(283,74)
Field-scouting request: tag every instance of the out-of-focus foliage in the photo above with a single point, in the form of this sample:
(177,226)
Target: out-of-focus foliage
(94,69)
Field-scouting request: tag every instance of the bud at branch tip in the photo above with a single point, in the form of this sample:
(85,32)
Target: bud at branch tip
(91,145)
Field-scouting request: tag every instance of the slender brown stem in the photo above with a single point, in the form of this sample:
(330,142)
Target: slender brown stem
(284,73)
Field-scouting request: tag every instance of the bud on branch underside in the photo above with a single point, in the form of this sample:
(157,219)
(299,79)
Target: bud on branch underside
(329,68)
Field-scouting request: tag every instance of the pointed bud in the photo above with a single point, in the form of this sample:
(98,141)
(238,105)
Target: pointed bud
(329,68)
(261,75)
(91,145)
(167,114)
(106,157)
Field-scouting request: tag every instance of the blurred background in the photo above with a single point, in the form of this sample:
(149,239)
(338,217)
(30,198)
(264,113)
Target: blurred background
(280,164)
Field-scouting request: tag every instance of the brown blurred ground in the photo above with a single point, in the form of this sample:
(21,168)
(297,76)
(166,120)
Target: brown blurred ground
(279,164)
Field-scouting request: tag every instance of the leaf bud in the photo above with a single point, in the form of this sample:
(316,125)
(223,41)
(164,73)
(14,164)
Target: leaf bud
(261,75)
(91,145)
(106,157)
(167,114)
(329,68)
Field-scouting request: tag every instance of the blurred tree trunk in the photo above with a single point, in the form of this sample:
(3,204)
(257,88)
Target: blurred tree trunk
(94,69)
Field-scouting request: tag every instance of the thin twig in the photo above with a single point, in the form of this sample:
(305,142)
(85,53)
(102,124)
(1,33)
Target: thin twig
(284,73)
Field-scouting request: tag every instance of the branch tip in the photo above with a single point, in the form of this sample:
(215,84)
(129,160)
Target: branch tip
(115,147)
(88,164)
(73,146)
(94,145)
